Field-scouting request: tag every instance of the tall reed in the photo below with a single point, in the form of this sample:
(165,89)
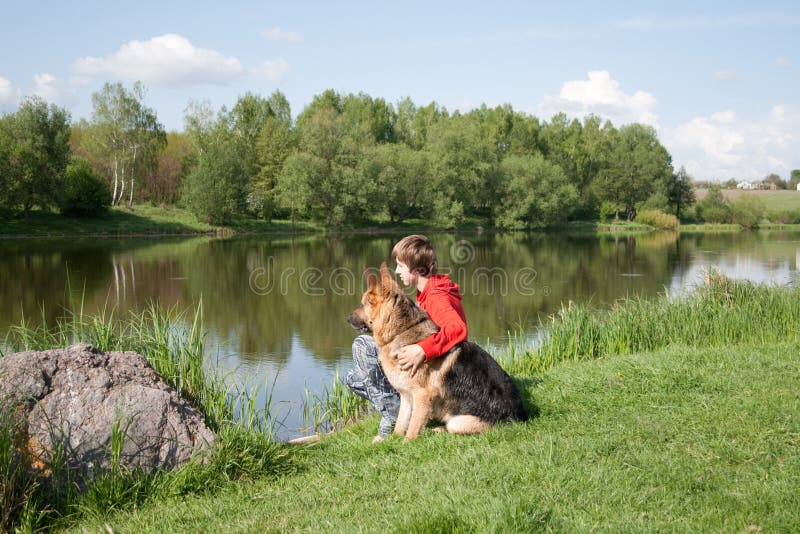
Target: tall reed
(719,312)
(334,407)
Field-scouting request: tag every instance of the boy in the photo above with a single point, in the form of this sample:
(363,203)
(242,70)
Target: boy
(437,295)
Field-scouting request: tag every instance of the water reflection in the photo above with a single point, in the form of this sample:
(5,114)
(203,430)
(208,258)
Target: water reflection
(275,306)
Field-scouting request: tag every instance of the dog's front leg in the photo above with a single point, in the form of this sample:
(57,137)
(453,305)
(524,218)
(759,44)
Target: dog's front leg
(403,414)
(420,415)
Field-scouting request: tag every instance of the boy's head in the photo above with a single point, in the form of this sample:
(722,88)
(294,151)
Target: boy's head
(417,253)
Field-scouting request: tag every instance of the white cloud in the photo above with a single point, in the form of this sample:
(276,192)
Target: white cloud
(724,117)
(172,59)
(745,20)
(55,90)
(7,94)
(601,95)
(276,34)
(271,70)
(46,87)
(781,62)
(723,146)
(725,75)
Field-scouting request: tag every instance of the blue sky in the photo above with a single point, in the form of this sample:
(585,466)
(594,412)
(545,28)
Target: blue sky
(718,80)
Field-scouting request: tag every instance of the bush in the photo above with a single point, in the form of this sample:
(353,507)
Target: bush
(85,193)
(785,217)
(656,202)
(608,211)
(747,211)
(714,208)
(657,219)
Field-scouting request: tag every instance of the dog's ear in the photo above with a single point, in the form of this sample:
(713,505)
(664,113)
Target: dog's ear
(387,280)
(372,280)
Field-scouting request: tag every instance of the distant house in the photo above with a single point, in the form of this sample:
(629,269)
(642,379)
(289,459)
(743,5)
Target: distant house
(746,185)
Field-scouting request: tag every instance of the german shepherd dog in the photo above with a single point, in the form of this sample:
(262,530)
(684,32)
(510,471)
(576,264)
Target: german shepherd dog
(465,388)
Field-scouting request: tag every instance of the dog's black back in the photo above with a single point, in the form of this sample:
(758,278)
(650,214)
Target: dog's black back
(480,387)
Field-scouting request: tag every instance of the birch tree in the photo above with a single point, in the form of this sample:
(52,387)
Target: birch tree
(127,134)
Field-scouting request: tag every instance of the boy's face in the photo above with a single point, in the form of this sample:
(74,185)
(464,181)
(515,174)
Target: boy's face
(408,278)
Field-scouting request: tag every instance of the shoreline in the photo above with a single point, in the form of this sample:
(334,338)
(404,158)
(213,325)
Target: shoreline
(148,221)
(230,232)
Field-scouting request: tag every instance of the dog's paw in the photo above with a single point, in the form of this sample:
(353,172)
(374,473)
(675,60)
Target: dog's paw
(440,429)
(377,439)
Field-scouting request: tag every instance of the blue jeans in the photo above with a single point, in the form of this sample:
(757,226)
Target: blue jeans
(367,380)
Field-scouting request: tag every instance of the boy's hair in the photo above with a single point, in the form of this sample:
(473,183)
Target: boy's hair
(417,252)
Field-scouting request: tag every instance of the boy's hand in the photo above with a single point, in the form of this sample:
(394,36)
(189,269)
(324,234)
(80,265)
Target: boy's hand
(410,358)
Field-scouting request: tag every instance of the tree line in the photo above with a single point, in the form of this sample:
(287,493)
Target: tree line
(346,158)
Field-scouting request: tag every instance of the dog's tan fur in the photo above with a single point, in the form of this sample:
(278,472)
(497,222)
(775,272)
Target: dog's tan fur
(395,322)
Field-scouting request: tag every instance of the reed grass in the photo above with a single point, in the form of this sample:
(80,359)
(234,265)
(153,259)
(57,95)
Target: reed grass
(719,312)
(335,406)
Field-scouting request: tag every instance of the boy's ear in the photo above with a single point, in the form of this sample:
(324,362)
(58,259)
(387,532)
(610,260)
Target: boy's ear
(387,280)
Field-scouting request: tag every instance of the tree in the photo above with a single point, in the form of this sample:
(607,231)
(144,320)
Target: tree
(370,120)
(127,134)
(248,117)
(794,179)
(8,185)
(163,183)
(536,193)
(464,165)
(680,191)
(415,122)
(773,178)
(34,150)
(85,192)
(324,170)
(402,179)
(593,155)
(638,163)
(215,188)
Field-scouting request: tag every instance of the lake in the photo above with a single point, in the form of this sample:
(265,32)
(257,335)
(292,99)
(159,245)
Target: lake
(275,306)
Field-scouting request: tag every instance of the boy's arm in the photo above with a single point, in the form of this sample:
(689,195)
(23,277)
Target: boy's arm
(452,329)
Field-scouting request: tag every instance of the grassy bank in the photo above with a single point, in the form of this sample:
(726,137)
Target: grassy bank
(680,439)
(669,414)
(141,220)
(149,220)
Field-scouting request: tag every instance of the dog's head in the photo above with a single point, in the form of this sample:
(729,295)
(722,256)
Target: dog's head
(384,307)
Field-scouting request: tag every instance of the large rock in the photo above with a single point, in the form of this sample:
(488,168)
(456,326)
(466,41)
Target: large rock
(72,399)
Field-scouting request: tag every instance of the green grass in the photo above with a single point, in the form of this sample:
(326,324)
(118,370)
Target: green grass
(141,220)
(594,227)
(779,200)
(682,439)
(118,221)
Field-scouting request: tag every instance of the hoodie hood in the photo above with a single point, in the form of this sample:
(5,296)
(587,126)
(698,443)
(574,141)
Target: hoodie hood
(442,284)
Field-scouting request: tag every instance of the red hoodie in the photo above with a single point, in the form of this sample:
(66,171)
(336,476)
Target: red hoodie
(442,300)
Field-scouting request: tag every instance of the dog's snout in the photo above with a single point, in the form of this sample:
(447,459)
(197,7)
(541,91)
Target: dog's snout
(358,323)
